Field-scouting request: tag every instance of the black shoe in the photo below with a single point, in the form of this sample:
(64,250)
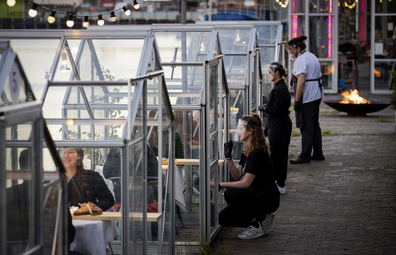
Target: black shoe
(299,161)
(315,157)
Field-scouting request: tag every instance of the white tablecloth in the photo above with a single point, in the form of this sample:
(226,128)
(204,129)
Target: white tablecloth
(93,236)
(179,188)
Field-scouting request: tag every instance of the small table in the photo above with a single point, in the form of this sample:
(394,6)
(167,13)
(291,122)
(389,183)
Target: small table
(93,236)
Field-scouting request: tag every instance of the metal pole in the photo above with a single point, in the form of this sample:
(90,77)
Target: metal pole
(183,11)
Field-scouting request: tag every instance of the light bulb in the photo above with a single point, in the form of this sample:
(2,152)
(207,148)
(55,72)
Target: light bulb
(11,3)
(85,23)
(70,21)
(51,18)
(136,4)
(70,122)
(64,67)
(100,20)
(113,17)
(33,11)
(203,47)
(126,11)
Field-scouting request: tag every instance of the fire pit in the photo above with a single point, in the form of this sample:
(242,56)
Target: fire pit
(353,104)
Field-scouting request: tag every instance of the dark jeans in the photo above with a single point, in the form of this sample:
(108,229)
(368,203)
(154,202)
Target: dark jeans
(279,158)
(311,132)
(244,205)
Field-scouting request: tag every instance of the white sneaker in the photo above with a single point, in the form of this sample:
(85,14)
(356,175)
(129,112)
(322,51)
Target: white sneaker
(282,190)
(251,232)
(267,223)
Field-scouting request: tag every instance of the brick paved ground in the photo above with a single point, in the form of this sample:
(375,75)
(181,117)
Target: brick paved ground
(343,205)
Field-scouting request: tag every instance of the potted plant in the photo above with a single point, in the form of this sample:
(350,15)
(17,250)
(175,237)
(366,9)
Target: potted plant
(392,100)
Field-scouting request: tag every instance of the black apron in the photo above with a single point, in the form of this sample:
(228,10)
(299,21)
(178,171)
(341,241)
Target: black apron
(299,114)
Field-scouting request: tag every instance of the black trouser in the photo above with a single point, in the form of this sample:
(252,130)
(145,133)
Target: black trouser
(311,132)
(279,158)
(245,205)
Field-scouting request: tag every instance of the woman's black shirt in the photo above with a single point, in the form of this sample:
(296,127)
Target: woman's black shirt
(278,121)
(259,164)
(101,195)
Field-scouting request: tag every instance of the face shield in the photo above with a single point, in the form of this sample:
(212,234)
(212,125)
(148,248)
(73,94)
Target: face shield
(240,130)
(269,74)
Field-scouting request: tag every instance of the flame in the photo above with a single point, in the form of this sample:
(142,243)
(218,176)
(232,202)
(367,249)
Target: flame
(377,73)
(353,97)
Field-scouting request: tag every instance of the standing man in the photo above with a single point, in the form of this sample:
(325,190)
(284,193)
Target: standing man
(307,82)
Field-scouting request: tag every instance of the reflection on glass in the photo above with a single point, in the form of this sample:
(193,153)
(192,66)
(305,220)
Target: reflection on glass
(318,6)
(385,37)
(383,74)
(297,6)
(27,51)
(327,69)
(320,44)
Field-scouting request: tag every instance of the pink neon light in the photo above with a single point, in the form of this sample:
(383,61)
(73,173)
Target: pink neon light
(330,6)
(329,36)
(362,32)
(294,26)
(294,5)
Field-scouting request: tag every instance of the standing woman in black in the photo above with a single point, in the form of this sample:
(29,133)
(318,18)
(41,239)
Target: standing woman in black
(279,125)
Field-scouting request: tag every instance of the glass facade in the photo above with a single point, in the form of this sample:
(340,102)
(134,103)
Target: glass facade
(317,22)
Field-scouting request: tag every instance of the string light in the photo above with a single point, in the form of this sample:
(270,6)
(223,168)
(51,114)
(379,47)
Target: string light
(33,11)
(113,17)
(70,21)
(11,3)
(85,23)
(135,5)
(126,11)
(283,5)
(51,18)
(100,20)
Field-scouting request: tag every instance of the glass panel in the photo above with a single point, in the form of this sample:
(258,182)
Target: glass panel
(327,69)
(20,191)
(321,43)
(266,34)
(168,204)
(106,102)
(385,37)
(236,105)
(15,90)
(318,6)
(382,6)
(297,26)
(254,81)
(267,56)
(193,78)
(101,59)
(136,174)
(36,57)
(235,67)
(213,97)
(52,199)
(171,45)
(297,6)
(383,74)
(234,40)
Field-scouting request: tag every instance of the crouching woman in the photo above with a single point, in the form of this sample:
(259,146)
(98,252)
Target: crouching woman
(254,196)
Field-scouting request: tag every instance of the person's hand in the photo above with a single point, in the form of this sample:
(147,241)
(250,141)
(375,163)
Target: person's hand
(297,106)
(228,149)
(261,108)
